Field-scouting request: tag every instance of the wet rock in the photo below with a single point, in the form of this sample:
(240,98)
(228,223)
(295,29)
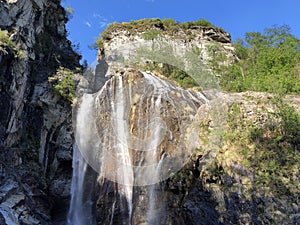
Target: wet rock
(7,189)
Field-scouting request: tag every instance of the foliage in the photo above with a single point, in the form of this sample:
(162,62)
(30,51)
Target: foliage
(168,26)
(270,149)
(289,124)
(269,61)
(173,73)
(218,59)
(63,84)
(100,43)
(201,23)
(151,34)
(6,42)
(69,12)
(169,22)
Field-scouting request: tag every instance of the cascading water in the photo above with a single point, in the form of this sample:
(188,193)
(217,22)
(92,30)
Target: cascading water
(134,133)
(77,214)
(125,173)
(80,211)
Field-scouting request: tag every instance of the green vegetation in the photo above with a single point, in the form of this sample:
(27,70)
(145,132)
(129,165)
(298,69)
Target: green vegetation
(63,84)
(173,73)
(152,28)
(201,23)
(217,59)
(99,43)
(69,12)
(289,124)
(269,62)
(7,43)
(270,149)
(151,34)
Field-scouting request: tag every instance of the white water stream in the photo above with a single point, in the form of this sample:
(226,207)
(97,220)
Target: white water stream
(119,133)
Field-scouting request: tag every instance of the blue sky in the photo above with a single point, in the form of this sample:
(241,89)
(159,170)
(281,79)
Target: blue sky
(236,16)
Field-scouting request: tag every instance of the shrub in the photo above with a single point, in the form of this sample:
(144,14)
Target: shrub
(69,12)
(169,22)
(151,34)
(203,23)
(268,149)
(289,123)
(7,43)
(173,73)
(63,84)
(99,43)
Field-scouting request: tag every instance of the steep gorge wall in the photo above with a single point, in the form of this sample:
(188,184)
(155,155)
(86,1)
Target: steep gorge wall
(35,123)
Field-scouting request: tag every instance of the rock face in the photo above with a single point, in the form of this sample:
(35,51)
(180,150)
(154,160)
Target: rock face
(155,41)
(141,120)
(215,186)
(237,172)
(35,123)
(244,167)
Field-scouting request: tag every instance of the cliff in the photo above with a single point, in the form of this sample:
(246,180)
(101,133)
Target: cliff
(168,42)
(35,123)
(239,152)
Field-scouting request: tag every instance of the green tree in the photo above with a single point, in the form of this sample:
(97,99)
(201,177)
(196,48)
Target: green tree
(269,62)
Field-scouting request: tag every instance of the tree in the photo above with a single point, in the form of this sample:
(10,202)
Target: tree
(269,62)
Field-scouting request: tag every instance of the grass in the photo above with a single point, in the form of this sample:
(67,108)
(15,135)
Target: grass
(166,26)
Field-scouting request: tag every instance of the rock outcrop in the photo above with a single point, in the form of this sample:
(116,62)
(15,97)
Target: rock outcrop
(224,182)
(242,171)
(35,123)
(175,44)
(245,165)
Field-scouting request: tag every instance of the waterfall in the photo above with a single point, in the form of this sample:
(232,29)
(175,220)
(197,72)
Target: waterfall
(153,198)
(77,214)
(132,133)
(80,211)
(125,172)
